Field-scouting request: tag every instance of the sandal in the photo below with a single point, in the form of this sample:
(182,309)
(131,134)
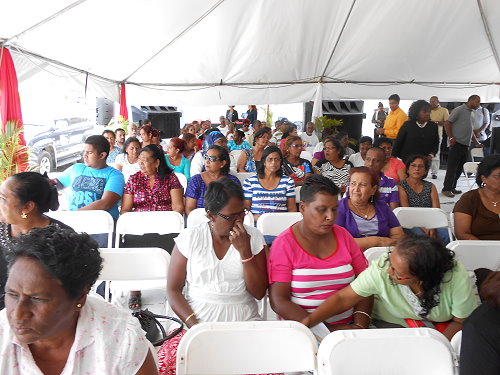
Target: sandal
(135,302)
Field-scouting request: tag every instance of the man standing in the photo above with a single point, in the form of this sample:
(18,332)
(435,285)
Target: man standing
(378,118)
(438,115)
(394,120)
(459,130)
(309,137)
(232,114)
(94,185)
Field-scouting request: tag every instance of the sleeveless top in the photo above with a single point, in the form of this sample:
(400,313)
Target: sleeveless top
(252,164)
(422,199)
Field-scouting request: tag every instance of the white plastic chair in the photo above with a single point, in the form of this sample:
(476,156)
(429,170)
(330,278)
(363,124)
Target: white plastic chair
(452,227)
(306,155)
(476,152)
(134,264)
(236,155)
(476,254)
(161,222)
(182,179)
(88,221)
(242,176)
(470,167)
(199,215)
(272,224)
(431,218)
(297,193)
(373,253)
(411,352)
(246,348)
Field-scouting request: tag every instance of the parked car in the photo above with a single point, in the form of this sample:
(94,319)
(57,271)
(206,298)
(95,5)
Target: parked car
(52,146)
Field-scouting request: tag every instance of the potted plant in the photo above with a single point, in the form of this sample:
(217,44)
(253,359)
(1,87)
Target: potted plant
(13,154)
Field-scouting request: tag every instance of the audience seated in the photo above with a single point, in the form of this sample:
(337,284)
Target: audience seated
(387,187)
(393,167)
(218,268)
(314,259)
(477,213)
(318,150)
(127,162)
(334,166)
(290,131)
(51,325)
(114,150)
(414,191)
(175,158)
(270,190)
(250,158)
(369,220)
(418,283)
(480,349)
(94,185)
(216,166)
(191,147)
(24,198)
(293,165)
(358,159)
(343,138)
(238,142)
(146,133)
(309,137)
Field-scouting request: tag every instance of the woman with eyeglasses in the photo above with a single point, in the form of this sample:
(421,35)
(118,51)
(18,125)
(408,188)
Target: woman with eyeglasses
(414,191)
(293,165)
(334,166)
(369,220)
(216,167)
(269,190)
(417,284)
(314,259)
(393,167)
(477,212)
(214,137)
(217,269)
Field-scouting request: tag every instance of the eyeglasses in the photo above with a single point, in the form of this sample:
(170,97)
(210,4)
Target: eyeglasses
(297,145)
(242,214)
(329,148)
(212,158)
(396,276)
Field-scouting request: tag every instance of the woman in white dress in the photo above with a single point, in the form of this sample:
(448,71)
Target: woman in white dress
(217,269)
(127,162)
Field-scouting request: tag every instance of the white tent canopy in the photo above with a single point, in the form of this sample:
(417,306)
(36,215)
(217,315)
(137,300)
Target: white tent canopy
(211,52)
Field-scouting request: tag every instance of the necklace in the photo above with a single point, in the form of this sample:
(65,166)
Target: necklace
(365,215)
(494,203)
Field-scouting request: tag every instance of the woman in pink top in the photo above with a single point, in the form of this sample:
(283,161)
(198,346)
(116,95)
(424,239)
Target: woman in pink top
(394,167)
(314,259)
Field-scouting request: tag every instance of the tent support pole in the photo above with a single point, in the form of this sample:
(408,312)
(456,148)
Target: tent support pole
(338,39)
(488,33)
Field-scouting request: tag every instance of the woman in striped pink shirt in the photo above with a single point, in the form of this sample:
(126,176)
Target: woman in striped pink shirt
(314,259)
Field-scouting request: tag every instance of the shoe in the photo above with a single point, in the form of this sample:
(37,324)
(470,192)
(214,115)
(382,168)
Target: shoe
(434,177)
(455,191)
(448,193)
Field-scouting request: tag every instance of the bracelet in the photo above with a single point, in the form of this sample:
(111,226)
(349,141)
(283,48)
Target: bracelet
(362,312)
(247,260)
(189,317)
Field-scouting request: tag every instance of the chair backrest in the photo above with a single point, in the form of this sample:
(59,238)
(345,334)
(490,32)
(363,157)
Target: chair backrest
(411,217)
(452,227)
(412,352)
(88,221)
(373,253)
(236,155)
(272,224)
(471,167)
(310,149)
(182,179)
(242,176)
(161,222)
(246,348)
(199,215)
(476,254)
(306,155)
(297,193)
(476,152)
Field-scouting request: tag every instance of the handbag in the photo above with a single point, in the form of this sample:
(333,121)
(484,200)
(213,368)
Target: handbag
(152,327)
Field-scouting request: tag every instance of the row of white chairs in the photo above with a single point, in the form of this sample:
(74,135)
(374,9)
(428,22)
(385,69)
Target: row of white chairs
(287,346)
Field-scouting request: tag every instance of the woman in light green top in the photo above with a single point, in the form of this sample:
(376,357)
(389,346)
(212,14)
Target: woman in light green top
(418,280)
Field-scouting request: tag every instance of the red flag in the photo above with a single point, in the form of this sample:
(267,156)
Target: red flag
(123,103)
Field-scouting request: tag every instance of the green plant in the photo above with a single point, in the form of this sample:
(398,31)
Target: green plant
(13,154)
(324,122)
(121,123)
(269,115)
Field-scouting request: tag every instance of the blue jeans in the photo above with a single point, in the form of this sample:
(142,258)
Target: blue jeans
(442,234)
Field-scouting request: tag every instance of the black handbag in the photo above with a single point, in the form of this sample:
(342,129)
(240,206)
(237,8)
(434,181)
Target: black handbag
(152,327)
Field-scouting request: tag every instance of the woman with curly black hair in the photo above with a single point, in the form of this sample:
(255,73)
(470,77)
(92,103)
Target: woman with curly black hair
(418,135)
(417,283)
(477,213)
(51,325)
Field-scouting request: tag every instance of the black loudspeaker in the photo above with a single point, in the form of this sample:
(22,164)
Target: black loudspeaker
(168,123)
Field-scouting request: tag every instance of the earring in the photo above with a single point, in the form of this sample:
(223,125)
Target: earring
(371,199)
(79,305)
(24,216)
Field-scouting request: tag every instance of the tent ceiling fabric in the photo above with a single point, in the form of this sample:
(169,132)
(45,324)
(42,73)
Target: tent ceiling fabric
(261,51)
